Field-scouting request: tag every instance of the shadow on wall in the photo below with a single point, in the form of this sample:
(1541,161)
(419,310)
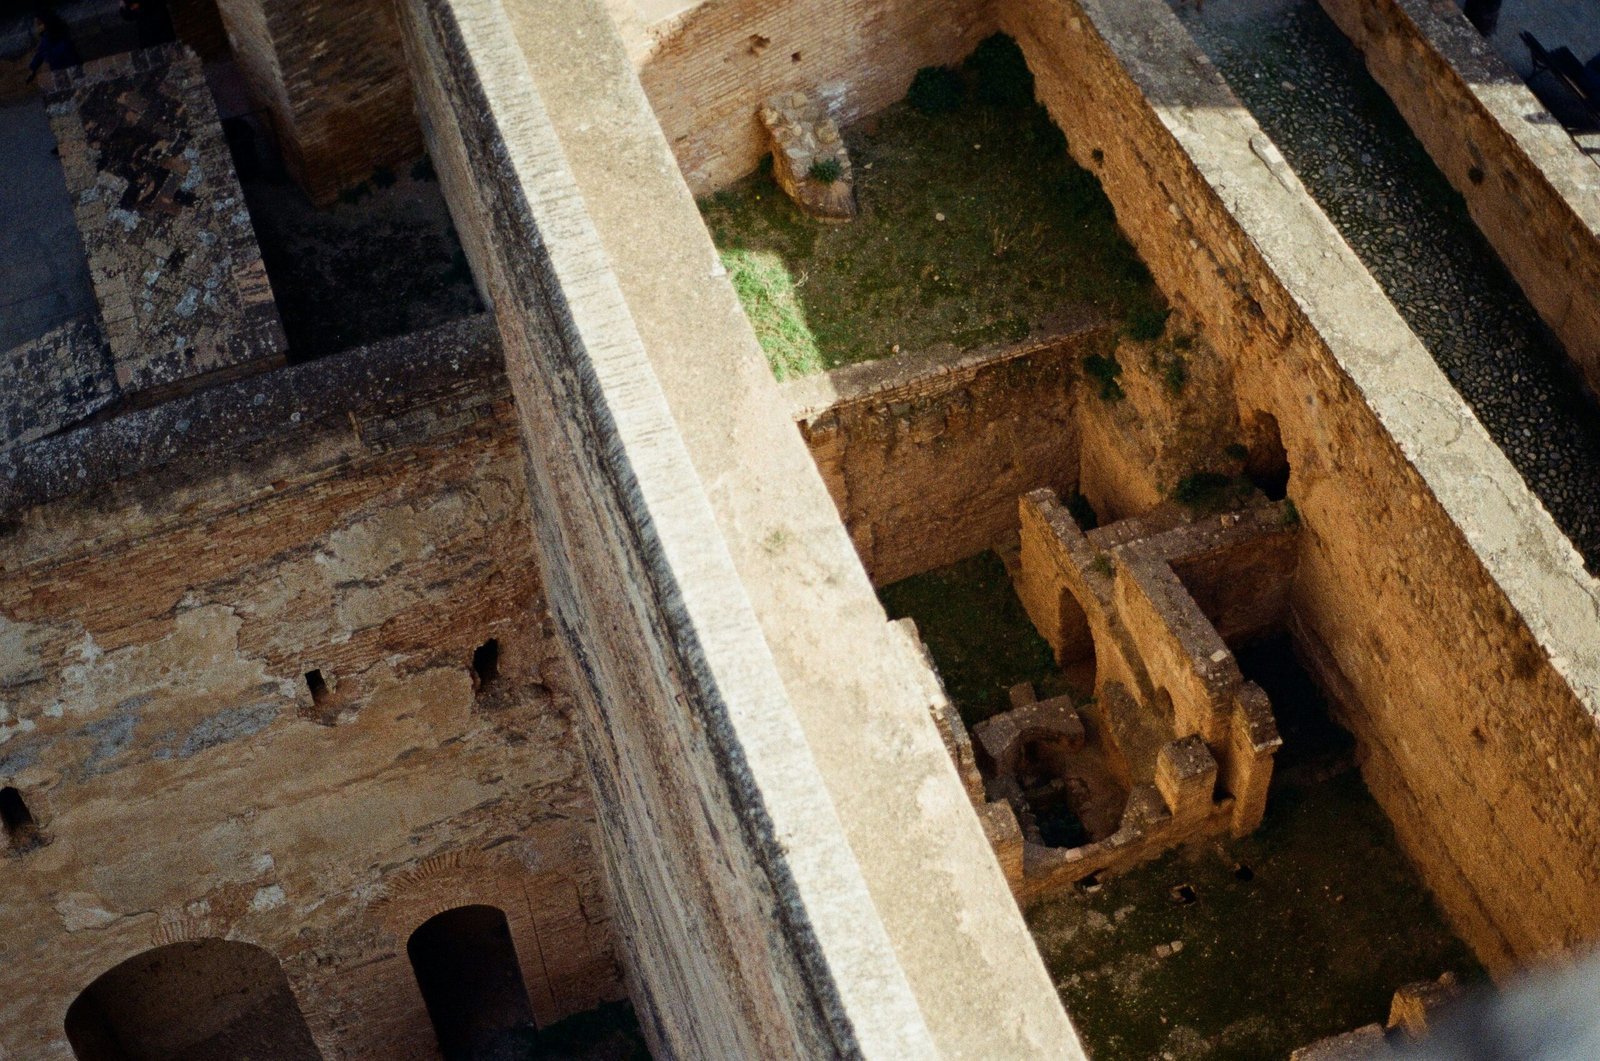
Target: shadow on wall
(199,1000)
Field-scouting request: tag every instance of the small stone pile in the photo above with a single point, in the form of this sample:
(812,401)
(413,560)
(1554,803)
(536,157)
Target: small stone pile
(806,146)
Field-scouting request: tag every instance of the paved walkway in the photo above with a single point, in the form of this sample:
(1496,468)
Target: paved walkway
(44,280)
(1309,90)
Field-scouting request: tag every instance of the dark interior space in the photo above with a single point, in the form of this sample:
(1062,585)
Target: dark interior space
(466,965)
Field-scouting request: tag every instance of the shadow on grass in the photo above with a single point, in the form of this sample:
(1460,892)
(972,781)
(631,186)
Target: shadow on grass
(975,228)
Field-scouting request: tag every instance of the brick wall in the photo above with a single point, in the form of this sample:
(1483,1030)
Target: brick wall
(154,638)
(332,76)
(707,70)
(926,456)
(1534,194)
(1448,616)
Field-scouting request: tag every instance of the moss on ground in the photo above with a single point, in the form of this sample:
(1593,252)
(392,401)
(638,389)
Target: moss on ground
(1027,237)
(980,638)
(1330,921)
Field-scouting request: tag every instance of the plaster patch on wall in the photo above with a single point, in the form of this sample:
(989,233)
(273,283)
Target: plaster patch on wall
(81,910)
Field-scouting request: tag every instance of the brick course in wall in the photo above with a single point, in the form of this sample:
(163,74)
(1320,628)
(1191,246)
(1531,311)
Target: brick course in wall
(925,456)
(332,76)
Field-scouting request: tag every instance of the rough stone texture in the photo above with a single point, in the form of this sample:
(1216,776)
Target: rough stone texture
(53,382)
(1364,1044)
(386,390)
(706,69)
(715,598)
(332,76)
(803,138)
(1416,1006)
(1136,587)
(154,637)
(1438,602)
(176,270)
(1530,189)
(925,455)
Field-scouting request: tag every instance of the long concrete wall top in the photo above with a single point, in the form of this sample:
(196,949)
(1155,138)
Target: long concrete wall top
(1529,187)
(796,867)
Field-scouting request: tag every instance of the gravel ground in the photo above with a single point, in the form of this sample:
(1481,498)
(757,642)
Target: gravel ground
(1307,87)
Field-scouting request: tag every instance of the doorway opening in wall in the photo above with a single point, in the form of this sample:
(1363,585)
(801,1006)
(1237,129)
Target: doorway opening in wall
(21,830)
(466,966)
(1315,747)
(485,664)
(1266,461)
(199,1000)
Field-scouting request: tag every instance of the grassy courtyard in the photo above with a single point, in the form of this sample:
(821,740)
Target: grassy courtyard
(975,228)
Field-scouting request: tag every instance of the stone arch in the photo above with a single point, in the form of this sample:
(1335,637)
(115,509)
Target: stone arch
(471,877)
(205,999)
(466,967)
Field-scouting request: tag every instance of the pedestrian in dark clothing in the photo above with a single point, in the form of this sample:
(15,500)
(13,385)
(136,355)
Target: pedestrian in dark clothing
(151,21)
(56,49)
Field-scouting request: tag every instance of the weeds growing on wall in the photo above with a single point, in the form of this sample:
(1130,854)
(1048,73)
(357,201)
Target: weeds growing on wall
(825,170)
(1211,491)
(1104,370)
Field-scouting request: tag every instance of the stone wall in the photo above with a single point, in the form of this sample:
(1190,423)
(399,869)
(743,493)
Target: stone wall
(707,69)
(779,890)
(155,637)
(1532,192)
(177,273)
(926,455)
(332,76)
(1448,615)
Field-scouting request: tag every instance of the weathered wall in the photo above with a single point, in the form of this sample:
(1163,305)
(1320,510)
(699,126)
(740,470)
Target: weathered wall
(708,69)
(1530,189)
(1444,603)
(331,74)
(154,635)
(839,894)
(925,456)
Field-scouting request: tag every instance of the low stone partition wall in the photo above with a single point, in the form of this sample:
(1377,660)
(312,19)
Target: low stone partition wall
(1529,187)
(925,455)
(794,866)
(1451,617)
(707,69)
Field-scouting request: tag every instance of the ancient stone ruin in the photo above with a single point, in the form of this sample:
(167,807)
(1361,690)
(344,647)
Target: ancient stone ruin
(488,569)
(809,159)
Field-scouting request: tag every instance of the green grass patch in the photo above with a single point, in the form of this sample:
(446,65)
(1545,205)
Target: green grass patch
(1026,239)
(980,638)
(1330,921)
(767,291)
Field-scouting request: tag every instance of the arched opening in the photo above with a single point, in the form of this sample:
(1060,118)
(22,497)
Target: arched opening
(466,966)
(20,828)
(1266,462)
(200,1000)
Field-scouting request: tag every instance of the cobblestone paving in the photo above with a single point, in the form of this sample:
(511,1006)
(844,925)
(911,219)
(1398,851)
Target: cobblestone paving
(1307,87)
